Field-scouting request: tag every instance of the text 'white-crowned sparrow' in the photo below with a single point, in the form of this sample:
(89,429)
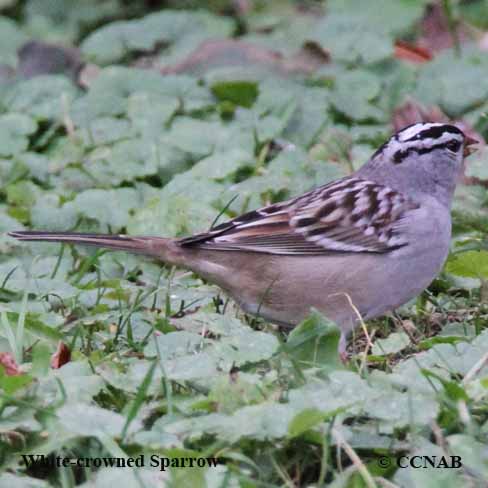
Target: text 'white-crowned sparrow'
(365,243)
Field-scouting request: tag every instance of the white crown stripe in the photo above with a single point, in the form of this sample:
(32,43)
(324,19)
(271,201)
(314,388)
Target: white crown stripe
(415,129)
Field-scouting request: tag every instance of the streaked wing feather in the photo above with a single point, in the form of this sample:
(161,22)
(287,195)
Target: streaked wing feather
(349,215)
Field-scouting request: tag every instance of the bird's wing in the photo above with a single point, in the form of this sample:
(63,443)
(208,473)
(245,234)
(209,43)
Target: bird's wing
(348,215)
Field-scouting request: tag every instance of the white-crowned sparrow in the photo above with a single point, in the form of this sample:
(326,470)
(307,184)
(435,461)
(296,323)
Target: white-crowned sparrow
(374,239)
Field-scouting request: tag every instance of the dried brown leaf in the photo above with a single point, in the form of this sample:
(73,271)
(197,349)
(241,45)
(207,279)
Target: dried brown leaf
(232,52)
(412,53)
(436,34)
(61,356)
(8,362)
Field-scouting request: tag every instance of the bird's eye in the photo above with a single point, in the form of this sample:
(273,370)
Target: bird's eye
(453,146)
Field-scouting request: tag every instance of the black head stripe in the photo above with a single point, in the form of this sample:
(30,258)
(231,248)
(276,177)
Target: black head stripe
(435,132)
(420,139)
(400,155)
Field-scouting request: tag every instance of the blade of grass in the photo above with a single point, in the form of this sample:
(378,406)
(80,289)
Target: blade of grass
(58,261)
(7,277)
(355,459)
(9,333)
(167,383)
(21,325)
(116,451)
(139,399)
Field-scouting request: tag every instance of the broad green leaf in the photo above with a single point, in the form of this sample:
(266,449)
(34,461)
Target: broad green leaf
(227,396)
(18,481)
(477,165)
(354,95)
(470,264)
(19,417)
(22,193)
(475,13)
(315,342)
(11,39)
(47,97)
(401,14)
(41,357)
(472,452)
(176,212)
(174,344)
(397,410)
(341,390)
(297,112)
(430,477)
(351,40)
(11,384)
(394,343)
(35,329)
(111,93)
(247,346)
(92,204)
(157,437)
(242,93)
(105,130)
(191,367)
(201,138)
(266,421)
(116,41)
(128,160)
(64,22)
(468,208)
(127,477)
(174,215)
(15,129)
(443,360)
(79,384)
(304,421)
(452,81)
(88,420)
(150,113)
(222,165)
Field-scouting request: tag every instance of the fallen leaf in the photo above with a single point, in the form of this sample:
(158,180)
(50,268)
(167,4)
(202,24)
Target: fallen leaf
(41,58)
(436,34)
(9,364)
(231,52)
(412,53)
(61,356)
(412,112)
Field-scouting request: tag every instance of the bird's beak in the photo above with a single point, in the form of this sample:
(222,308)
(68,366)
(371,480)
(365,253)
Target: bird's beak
(469,142)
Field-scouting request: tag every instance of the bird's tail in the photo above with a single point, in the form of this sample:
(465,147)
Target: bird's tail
(163,248)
